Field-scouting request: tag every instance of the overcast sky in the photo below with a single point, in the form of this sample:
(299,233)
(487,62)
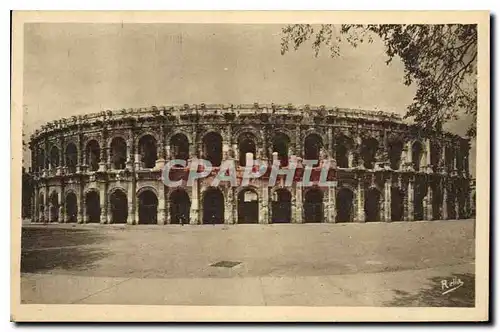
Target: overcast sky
(72,69)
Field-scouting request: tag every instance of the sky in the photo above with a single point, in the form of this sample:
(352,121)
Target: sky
(75,68)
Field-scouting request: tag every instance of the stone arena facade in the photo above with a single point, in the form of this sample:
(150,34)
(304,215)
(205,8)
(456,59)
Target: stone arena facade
(107,167)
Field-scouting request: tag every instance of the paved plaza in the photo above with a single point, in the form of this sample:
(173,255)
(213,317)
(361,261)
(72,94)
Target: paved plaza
(371,264)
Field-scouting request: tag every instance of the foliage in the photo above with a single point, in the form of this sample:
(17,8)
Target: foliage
(441,60)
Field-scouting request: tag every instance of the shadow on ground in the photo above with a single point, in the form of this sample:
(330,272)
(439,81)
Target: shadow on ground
(44,250)
(432,295)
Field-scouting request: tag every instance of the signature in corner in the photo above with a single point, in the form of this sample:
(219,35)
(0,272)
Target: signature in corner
(448,286)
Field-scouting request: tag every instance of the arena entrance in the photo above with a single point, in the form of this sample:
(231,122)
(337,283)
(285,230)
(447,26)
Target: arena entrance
(345,206)
(313,206)
(119,208)
(418,201)
(71,207)
(212,148)
(248,207)
(372,204)
(148,207)
(180,205)
(437,202)
(397,204)
(54,207)
(213,206)
(282,207)
(92,207)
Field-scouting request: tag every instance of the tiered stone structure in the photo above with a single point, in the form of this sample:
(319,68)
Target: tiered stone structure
(106,167)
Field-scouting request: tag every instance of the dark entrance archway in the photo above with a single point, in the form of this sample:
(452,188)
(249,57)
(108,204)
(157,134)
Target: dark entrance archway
(248,207)
(397,204)
(119,207)
(418,201)
(93,207)
(343,145)
(212,148)
(450,203)
(71,207)
(54,207)
(282,207)
(93,155)
(369,149)
(416,155)
(180,204)
(148,207)
(313,206)
(437,202)
(395,148)
(372,204)
(345,206)
(213,206)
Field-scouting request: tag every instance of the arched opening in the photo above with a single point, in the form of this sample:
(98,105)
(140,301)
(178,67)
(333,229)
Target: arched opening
(92,207)
(54,157)
(180,205)
(71,155)
(246,144)
(343,145)
(437,202)
(435,156)
(313,206)
(54,207)
(395,149)
(397,204)
(71,207)
(418,200)
(280,145)
(345,207)
(448,156)
(93,155)
(372,204)
(212,148)
(148,151)
(148,207)
(248,206)
(312,147)
(213,206)
(416,155)
(179,145)
(281,206)
(461,196)
(118,153)
(41,160)
(119,207)
(369,147)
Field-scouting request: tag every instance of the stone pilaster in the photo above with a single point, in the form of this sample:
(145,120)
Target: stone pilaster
(445,202)
(103,202)
(297,205)
(131,217)
(360,203)
(387,200)
(160,218)
(194,214)
(228,208)
(331,210)
(428,207)
(264,215)
(411,198)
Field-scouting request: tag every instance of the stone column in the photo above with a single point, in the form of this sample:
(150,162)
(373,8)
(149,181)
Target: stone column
(429,199)
(428,154)
(194,214)
(131,220)
(387,200)
(160,218)
(264,213)
(228,206)
(103,202)
(298,208)
(360,215)
(410,197)
(332,208)
(445,199)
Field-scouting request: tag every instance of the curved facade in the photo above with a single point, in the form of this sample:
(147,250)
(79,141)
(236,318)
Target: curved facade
(106,167)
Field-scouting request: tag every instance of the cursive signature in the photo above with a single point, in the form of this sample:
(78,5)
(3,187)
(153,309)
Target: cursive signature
(448,286)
